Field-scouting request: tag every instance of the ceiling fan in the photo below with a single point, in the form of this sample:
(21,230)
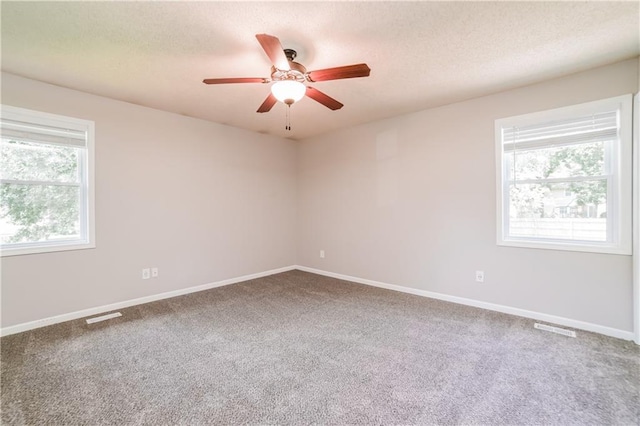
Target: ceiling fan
(289,77)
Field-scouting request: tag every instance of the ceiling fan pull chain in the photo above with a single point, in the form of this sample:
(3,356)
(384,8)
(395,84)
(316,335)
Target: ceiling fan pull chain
(287,125)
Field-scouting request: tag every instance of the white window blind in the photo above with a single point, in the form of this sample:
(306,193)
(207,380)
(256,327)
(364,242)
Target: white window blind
(597,127)
(41,133)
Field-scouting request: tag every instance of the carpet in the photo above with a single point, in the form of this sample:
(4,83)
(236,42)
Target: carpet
(298,348)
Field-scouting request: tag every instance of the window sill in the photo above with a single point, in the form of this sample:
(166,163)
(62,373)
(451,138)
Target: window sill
(566,246)
(39,249)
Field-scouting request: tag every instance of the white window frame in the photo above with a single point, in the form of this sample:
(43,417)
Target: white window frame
(87,186)
(619,193)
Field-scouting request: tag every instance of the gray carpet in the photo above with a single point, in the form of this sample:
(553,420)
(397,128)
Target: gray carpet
(297,348)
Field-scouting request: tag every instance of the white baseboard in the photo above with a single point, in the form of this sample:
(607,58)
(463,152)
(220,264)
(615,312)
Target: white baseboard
(19,328)
(581,325)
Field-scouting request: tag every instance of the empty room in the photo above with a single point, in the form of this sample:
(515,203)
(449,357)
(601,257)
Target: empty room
(335,213)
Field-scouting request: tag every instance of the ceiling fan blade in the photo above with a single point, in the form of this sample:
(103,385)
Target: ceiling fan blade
(274,51)
(348,71)
(268,103)
(325,100)
(234,80)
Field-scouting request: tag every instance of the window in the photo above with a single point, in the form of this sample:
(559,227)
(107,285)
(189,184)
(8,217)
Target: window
(46,182)
(564,178)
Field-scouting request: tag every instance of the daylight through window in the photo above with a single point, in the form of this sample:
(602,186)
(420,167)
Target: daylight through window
(564,178)
(46,182)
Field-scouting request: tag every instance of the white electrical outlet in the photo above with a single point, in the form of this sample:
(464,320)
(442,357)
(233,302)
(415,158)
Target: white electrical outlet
(146,274)
(154,272)
(321,254)
(480,276)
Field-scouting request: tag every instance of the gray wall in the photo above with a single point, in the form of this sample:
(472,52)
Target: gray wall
(407,201)
(201,201)
(411,201)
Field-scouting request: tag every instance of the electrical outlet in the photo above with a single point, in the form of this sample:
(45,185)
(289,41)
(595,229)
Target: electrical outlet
(321,254)
(480,276)
(146,274)
(154,272)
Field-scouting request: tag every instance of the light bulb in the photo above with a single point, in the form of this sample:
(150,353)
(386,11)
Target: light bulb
(288,91)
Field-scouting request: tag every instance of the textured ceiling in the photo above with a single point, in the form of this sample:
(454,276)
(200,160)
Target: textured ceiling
(422,54)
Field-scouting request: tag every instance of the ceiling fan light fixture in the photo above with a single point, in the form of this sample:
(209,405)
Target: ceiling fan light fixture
(288,91)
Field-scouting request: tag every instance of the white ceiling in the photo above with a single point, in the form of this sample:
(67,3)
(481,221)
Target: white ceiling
(422,54)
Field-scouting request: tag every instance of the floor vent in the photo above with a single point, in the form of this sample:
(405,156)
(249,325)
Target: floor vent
(104,317)
(557,330)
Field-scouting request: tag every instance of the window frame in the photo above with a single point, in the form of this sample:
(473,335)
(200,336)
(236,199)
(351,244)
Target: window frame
(86,165)
(619,190)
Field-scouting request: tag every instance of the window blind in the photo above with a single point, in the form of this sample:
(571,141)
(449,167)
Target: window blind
(39,133)
(597,127)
